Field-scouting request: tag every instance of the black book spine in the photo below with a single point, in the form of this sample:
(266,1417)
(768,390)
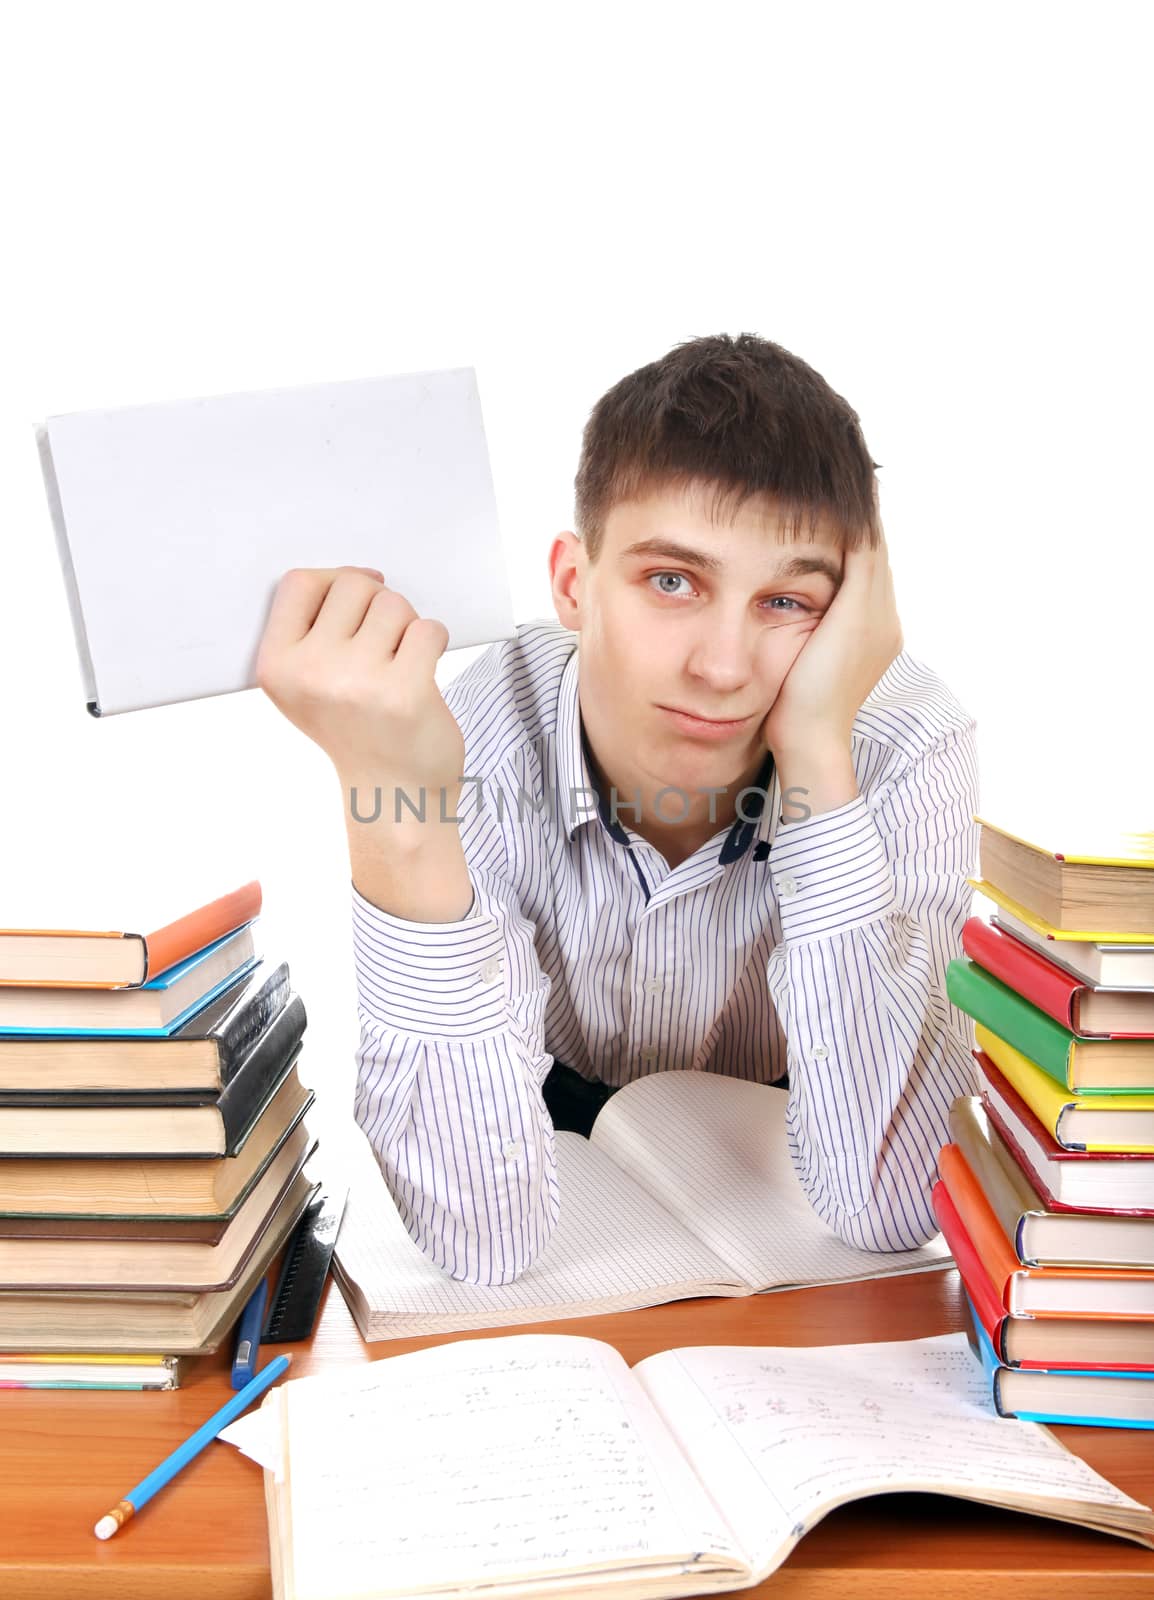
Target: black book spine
(260,1074)
(241,1032)
(247,1018)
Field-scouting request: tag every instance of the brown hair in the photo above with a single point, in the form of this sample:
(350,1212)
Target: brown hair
(740,414)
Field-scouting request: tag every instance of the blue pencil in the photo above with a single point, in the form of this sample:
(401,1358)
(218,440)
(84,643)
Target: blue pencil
(183,1454)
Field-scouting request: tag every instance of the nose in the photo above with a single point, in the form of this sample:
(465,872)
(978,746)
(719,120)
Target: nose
(723,657)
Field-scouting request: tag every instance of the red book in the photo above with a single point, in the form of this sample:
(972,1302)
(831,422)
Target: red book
(1087,1011)
(1055,1343)
(1086,1292)
(1067,1180)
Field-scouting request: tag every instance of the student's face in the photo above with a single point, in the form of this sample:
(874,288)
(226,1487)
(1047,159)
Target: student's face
(712,630)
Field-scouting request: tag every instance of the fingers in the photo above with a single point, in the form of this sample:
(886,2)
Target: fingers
(299,597)
(421,646)
(350,605)
(347,604)
(867,571)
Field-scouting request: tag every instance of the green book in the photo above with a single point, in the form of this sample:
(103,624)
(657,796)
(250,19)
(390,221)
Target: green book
(1084,1066)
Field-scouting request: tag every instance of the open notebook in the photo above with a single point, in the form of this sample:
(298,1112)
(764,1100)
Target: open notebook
(536,1465)
(685,1188)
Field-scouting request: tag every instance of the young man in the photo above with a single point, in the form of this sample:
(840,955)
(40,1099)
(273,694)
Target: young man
(714,818)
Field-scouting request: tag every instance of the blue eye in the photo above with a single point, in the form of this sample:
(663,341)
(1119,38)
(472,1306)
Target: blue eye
(776,602)
(665,575)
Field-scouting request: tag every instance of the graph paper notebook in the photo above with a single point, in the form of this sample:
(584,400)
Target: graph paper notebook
(174,522)
(686,1188)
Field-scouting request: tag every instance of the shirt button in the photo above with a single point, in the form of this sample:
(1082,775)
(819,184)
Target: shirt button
(649,1056)
(820,1052)
(491,971)
(787,884)
(511,1147)
(654,986)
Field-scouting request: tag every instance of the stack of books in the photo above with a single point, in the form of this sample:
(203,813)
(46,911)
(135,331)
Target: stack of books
(152,1142)
(1046,1191)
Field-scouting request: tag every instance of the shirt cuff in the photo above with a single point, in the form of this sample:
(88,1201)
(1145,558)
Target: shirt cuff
(830,873)
(441,980)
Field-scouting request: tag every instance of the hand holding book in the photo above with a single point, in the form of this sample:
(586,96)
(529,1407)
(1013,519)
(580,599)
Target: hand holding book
(351,664)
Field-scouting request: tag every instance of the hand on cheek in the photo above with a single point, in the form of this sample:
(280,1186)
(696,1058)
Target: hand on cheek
(840,662)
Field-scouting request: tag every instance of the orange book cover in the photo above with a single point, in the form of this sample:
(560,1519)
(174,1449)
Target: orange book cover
(986,1233)
(161,948)
(995,1252)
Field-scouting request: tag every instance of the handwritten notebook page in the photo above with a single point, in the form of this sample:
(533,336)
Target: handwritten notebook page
(486,1462)
(782,1436)
(713,1151)
(613,1249)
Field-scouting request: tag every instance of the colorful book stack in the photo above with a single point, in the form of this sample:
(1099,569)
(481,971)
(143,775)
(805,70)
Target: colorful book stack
(152,1142)
(1046,1191)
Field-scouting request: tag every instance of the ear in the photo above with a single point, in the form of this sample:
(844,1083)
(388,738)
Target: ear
(567,566)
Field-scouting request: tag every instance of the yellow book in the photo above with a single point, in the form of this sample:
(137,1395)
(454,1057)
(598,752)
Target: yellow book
(88,1358)
(1102,845)
(1047,929)
(59,1370)
(1114,1124)
(1099,893)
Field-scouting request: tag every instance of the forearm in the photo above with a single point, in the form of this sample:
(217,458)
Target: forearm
(450,1068)
(465,1148)
(874,1068)
(872,904)
(411,869)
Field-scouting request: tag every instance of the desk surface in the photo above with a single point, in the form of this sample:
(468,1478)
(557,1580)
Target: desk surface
(67,1457)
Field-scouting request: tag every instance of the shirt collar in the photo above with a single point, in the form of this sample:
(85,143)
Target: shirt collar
(579,803)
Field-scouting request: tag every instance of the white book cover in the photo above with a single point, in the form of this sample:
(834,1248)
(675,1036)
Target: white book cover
(175,522)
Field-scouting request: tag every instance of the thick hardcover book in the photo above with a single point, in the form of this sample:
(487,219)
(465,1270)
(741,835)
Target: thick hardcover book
(203,1053)
(1087,1010)
(1089,1396)
(140,1189)
(156,1009)
(1107,884)
(1106,934)
(135,1266)
(1112,966)
(87,955)
(169,1322)
(150,1230)
(1084,1292)
(175,1123)
(1050,1342)
(1090,840)
(1106,1122)
(1039,1235)
(1085,1066)
(543,1464)
(1075,1180)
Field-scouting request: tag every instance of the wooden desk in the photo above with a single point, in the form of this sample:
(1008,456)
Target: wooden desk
(67,1457)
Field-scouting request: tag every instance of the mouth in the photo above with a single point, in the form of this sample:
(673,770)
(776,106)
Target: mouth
(690,721)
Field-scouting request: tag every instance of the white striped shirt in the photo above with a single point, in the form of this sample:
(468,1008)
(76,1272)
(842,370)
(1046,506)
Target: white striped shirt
(814,946)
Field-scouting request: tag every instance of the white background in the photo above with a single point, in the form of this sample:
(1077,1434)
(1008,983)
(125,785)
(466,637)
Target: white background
(943,208)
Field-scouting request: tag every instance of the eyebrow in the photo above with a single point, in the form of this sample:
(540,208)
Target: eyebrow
(792,567)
